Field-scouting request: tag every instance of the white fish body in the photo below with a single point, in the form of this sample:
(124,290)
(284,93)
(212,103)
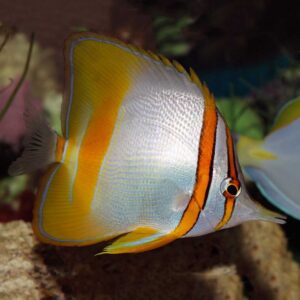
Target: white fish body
(144,152)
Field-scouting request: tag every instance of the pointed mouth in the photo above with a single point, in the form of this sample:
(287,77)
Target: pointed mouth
(259,212)
(269,215)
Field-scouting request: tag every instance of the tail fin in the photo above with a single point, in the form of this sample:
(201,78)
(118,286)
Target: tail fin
(39,145)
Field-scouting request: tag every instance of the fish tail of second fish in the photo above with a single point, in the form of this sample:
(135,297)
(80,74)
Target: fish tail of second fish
(41,145)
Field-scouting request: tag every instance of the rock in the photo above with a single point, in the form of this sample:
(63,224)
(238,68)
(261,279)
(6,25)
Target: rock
(23,273)
(249,261)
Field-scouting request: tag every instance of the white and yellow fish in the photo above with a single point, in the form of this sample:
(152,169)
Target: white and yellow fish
(145,154)
(274,162)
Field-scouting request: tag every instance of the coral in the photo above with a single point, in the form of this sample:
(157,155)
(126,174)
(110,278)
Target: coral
(23,274)
(39,85)
(39,89)
(247,262)
(265,260)
(13,124)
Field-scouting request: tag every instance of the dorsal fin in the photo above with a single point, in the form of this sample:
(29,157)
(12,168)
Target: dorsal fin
(289,113)
(77,38)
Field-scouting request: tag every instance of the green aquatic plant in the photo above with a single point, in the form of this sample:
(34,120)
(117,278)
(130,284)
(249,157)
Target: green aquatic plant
(80,28)
(169,35)
(52,106)
(11,187)
(240,117)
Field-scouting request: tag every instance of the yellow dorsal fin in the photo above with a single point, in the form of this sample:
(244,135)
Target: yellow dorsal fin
(78,38)
(203,87)
(195,78)
(289,113)
(165,61)
(140,240)
(153,55)
(179,67)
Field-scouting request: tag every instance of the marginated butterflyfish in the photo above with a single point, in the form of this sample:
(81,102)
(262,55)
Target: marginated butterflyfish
(145,156)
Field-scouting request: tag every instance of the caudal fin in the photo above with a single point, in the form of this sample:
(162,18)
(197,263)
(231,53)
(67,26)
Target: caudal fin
(39,145)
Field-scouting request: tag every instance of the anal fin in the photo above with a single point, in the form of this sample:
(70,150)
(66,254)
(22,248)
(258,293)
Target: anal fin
(140,240)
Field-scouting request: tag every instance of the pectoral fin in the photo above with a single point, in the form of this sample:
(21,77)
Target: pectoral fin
(140,240)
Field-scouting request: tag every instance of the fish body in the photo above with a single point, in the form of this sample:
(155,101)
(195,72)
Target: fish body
(145,154)
(273,163)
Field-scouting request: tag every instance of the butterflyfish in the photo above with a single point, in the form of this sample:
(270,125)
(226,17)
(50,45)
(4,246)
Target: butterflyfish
(273,163)
(145,157)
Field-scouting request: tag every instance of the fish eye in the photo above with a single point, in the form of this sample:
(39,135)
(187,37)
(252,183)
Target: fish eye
(230,187)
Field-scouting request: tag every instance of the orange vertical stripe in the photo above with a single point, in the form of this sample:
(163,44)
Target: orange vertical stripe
(232,173)
(204,167)
(228,210)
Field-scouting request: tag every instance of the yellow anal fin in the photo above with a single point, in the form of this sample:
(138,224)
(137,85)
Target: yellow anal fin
(140,240)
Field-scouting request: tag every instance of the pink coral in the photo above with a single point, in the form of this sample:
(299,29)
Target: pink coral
(12,126)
